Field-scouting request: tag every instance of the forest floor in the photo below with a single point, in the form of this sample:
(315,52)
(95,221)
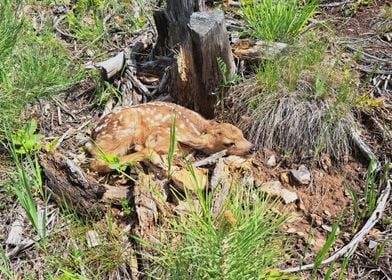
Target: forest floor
(66,110)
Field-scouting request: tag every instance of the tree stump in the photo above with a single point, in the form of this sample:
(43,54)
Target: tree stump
(197,38)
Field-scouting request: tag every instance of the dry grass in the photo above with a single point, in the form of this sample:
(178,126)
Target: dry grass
(301,103)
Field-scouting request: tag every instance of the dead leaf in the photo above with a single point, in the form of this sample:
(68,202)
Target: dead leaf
(184,179)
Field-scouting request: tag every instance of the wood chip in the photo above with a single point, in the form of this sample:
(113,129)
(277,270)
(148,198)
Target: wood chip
(92,238)
(15,234)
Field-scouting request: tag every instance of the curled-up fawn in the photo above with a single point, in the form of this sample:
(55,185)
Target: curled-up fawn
(142,132)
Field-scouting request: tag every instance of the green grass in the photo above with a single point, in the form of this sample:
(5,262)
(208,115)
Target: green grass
(76,258)
(363,208)
(281,21)
(5,269)
(31,65)
(328,244)
(243,243)
(24,185)
(89,22)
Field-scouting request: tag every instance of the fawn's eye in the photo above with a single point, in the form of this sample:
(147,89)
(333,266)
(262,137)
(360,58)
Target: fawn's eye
(228,145)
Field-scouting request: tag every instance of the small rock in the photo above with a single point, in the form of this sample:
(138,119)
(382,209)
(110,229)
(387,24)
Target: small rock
(284,178)
(317,219)
(327,228)
(302,234)
(275,188)
(188,206)
(326,212)
(301,205)
(301,176)
(317,243)
(271,162)
(372,244)
(291,230)
(326,162)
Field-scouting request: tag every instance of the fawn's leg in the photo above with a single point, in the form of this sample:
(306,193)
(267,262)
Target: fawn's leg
(157,144)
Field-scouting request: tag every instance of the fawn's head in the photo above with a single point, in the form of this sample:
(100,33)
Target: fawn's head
(227,136)
(221,136)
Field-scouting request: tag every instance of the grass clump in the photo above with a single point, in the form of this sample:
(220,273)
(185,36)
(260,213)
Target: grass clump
(302,101)
(277,20)
(242,243)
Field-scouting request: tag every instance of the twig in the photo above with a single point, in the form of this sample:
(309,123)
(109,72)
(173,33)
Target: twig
(69,133)
(336,4)
(55,26)
(364,148)
(62,107)
(352,245)
(137,83)
(388,61)
(373,71)
(211,159)
(374,218)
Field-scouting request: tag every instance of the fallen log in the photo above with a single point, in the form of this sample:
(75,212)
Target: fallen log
(70,186)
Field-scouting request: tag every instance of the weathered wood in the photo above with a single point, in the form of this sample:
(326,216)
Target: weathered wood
(254,52)
(147,216)
(111,66)
(67,183)
(220,185)
(197,39)
(16,232)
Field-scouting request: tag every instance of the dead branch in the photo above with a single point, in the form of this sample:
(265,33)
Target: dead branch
(112,66)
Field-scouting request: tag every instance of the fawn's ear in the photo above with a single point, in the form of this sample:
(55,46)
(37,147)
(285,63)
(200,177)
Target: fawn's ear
(197,143)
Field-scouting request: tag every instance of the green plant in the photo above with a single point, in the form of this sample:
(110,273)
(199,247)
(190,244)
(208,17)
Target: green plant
(242,243)
(355,203)
(277,20)
(380,250)
(328,244)
(10,26)
(363,208)
(5,268)
(329,270)
(25,138)
(343,267)
(77,258)
(226,80)
(105,91)
(23,184)
(352,7)
(125,207)
(302,100)
(39,65)
(172,146)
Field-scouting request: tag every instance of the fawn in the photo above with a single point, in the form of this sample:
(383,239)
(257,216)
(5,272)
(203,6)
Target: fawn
(141,132)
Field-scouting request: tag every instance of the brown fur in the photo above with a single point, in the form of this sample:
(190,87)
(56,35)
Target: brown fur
(143,131)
